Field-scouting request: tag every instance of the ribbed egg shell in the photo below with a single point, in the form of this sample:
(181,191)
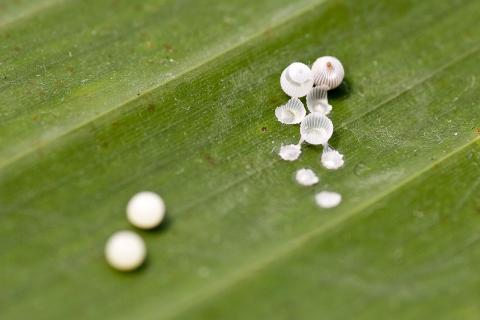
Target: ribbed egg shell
(296,80)
(328,72)
(291,112)
(316,128)
(317,101)
(331,158)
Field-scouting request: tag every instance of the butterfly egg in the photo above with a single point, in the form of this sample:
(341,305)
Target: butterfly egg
(327,199)
(316,128)
(290,152)
(296,80)
(291,112)
(306,177)
(317,101)
(327,72)
(145,210)
(125,251)
(331,158)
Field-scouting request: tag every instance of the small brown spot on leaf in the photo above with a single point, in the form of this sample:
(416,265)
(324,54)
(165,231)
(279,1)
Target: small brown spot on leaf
(478,131)
(264,129)
(209,159)
(104,145)
(168,47)
(151,107)
(268,33)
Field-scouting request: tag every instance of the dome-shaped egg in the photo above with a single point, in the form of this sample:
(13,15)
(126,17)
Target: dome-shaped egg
(328,72)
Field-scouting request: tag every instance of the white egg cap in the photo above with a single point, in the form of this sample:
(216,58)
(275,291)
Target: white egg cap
(296,80)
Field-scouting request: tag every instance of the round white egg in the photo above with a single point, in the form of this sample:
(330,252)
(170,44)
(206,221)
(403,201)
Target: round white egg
(125,251)
(146,210)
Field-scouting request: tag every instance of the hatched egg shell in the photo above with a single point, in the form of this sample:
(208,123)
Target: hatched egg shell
(316,128)
(296,80)
(327,199)
(292,112)
(331,158)
(306,177)
(328,72)
(146,210)
(317,101)
(290,152)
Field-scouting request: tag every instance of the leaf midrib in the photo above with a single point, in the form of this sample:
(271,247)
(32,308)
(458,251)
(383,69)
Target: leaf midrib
(6,163)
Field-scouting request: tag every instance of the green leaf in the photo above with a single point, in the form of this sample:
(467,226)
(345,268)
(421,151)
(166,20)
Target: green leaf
(102,99)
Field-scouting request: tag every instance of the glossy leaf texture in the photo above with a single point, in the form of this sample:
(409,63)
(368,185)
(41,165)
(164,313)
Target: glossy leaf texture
(102,99)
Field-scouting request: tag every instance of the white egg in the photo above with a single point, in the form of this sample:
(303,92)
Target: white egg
(290,152)
(125,251)
(146,210)
(292,112)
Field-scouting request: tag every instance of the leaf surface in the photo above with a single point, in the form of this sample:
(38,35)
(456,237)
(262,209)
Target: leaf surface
(99,100)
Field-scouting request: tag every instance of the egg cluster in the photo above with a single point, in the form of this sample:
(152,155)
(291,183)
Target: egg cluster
(125,250)
(297,81)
